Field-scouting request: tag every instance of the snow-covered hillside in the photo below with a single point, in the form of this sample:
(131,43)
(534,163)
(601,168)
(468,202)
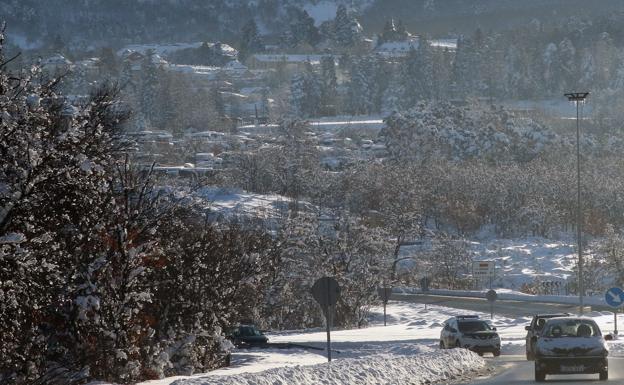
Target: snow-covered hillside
(518,261)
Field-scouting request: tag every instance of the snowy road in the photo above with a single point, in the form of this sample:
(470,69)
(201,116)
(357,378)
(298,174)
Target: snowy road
(517,371)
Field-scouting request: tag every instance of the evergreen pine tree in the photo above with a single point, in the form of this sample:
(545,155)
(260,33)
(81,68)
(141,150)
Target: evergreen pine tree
(297,94)
(301,30)
(250,41)
(389,32)
(410,78)
(402,33)
(329,85)
(347,30)
(305,91)
(361,92)
(588,71)
(568,65)
(424,69)
(108,62)
(461,77)
(149,87)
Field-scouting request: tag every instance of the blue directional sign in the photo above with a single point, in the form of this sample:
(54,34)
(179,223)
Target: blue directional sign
(614,297)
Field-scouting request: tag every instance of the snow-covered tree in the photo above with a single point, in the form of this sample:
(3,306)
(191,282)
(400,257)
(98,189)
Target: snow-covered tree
(361,87)
(347,30)
(301,31)
(250,41)
(345,249)
(52,184)
(149,87)
(305,89)
(567,58)
(432,130)
(329,85)
(417,74)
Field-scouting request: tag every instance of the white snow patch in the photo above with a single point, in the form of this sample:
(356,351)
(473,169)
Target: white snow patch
(13,238)
(429,366)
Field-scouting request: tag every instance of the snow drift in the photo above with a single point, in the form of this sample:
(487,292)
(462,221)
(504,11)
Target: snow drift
(429,366)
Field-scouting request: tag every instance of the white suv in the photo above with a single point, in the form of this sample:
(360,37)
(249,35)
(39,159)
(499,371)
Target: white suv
(472,333)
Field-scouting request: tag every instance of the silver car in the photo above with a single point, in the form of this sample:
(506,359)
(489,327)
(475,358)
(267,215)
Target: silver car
(471,333)
(571,345)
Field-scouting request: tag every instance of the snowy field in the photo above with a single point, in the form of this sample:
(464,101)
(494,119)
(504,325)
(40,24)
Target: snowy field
(518,261)
(406,349)
(236,202)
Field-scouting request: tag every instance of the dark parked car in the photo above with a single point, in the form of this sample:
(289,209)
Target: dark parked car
(247,335)
(534,330)
(571,345)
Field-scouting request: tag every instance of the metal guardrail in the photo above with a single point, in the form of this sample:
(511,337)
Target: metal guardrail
(595,301)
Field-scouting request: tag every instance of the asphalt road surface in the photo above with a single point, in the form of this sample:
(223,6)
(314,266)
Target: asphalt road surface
(507,308)
(516,370)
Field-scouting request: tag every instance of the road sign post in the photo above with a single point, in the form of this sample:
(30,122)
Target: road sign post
(326,292)
(384,293)
(424,287)
(491,296)
(614,297)
(483,271)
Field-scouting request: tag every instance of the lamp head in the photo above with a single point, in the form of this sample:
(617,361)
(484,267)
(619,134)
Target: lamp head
(576,96)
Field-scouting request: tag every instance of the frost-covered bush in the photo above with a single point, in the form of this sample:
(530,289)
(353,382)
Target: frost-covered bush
(340,245)
(104,274)
(442,130)
(55,157)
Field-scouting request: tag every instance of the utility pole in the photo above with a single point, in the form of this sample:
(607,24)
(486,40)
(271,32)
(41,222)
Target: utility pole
(578,98)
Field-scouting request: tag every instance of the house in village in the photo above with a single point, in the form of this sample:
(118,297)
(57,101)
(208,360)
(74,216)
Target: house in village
(396,49)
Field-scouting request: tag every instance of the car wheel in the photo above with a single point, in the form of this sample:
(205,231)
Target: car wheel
(442,345)
(604,375)
(480,353)
(539,375)
(496,353)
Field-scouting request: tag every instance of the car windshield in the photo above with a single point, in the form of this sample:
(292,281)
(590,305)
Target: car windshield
(248,331)
(473,326)
(539,324)
(571,328)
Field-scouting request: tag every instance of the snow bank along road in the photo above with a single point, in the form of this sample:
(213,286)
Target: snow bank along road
(429,366)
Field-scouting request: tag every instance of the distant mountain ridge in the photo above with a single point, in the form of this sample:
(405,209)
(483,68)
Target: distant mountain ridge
(86,23)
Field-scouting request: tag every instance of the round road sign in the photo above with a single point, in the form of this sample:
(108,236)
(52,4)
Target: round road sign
(614,297)
(326,291)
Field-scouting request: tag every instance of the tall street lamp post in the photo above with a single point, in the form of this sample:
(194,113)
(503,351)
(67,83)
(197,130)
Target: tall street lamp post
(579,98)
